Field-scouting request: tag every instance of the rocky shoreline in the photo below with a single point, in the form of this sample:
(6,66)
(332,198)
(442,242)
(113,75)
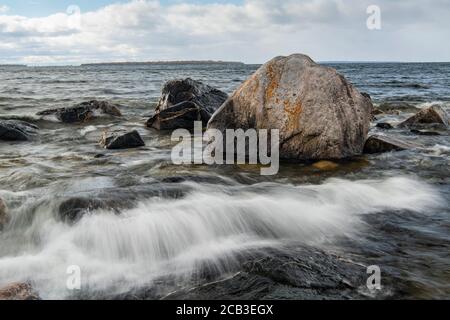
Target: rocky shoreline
(292,94)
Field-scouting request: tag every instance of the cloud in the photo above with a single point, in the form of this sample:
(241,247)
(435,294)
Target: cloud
(3,9)
(252,32)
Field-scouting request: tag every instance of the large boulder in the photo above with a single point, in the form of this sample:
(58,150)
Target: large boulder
(83,112)
(15,130)
(381,144)
(122,140)
(18,291)
(433,116)
(320,115)
(184,101)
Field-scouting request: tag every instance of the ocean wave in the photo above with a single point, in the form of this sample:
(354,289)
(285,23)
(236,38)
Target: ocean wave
(162,237)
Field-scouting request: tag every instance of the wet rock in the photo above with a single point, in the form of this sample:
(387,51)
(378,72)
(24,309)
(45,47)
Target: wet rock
(4,214)
(433,115)
(72,210)
(184,101)
(206,97)
(320,115)
(180,116)
(16,130)
(380,144)
(384,125)
(396,107)
(18,291)
(325,165)
(83,112)
(425,132)
(301,273)
(122,140)
(377,112)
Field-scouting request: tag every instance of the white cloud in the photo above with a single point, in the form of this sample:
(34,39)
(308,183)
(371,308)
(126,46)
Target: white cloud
(3,9)
(252,32)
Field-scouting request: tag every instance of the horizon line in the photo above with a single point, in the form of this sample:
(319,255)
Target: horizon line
(195,62)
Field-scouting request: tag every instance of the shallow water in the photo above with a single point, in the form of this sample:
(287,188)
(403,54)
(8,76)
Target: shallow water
(177,227)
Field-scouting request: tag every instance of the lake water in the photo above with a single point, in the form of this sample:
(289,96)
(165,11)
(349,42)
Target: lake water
(202,231)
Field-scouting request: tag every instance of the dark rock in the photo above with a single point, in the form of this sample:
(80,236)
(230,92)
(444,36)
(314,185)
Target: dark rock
(83,112)
(425,133)
(122,141)
(384,125)
(380,144)
(16,130)
(207,98)
(433,115)
(318,113)
(180,116)
(4,214)
(377,112)
(302,273)
(73,209)
(184,101)
(18,291)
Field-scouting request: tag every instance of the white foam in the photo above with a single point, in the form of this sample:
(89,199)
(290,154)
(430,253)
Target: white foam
(167,236)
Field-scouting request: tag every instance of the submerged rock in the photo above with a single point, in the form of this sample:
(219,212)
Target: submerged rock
(18,291)
(320,115)
(384,125)
(16,130)
(325,165)
(396,107)
(184,101)
(83,112)
(433,115)
(425,132)
(122,141)
(4,214)
(73,209)
(380,144)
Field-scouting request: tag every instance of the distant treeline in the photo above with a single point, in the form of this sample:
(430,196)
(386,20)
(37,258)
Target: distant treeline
(162,63)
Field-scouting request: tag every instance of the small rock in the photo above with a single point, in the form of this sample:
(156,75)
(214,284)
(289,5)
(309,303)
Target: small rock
(83,112)
(380,144)
(377,112)
(122,141)
(4,214)
(325,165)
(433,115)
(15,130)
(18,291)
(395,107)
(384,125)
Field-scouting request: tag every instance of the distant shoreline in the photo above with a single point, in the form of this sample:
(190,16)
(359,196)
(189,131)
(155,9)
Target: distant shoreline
(199,62)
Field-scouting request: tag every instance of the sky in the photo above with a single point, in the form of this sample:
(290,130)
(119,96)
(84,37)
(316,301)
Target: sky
(62,32)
